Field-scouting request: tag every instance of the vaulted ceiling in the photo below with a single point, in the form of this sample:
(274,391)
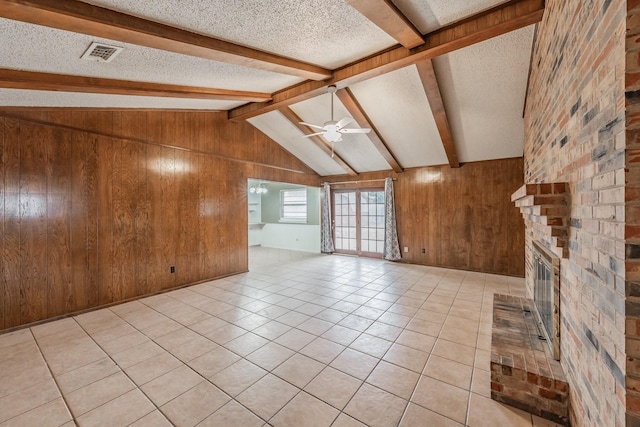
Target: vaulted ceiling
(437,81)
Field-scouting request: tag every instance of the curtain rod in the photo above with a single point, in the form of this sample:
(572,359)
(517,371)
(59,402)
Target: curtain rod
(357,182)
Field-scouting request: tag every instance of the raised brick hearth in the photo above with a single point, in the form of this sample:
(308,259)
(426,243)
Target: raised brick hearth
(523,371)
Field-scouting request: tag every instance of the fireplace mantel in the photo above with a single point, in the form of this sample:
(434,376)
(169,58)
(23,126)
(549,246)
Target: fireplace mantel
(544,206)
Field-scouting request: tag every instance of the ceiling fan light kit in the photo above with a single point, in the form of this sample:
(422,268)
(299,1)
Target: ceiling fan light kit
(332,130)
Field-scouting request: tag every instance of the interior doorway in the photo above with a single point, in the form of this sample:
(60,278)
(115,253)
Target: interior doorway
(283,222)
(358,221)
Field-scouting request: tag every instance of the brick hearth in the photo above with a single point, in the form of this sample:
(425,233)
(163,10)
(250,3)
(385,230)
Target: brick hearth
(523,371)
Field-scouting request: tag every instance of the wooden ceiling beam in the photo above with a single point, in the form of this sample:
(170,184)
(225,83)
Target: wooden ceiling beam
(30,80)
(357,112)
(385,15)
(507,17)
(432,90)
(80,17)
(316,139)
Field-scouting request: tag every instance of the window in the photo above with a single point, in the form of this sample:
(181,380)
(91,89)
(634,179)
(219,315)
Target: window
(293,205)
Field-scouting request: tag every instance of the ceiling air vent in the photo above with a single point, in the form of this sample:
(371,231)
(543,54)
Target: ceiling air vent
(100,52)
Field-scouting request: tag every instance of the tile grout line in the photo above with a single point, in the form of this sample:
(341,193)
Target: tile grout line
(431,353)
(121,370)
(53,377)
(139,387)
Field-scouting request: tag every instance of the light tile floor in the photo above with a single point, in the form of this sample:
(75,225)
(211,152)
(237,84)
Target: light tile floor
(317,341)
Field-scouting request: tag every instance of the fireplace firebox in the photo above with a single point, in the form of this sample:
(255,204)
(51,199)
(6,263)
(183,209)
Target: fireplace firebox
(546,296)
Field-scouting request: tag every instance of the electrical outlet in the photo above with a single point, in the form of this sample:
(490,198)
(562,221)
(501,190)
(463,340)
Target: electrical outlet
(172,269)
(406,249)
(424,251)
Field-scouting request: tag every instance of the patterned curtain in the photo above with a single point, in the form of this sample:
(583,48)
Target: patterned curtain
(391,249)
(326,242)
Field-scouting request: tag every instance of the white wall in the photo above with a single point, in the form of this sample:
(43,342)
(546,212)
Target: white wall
(296,237)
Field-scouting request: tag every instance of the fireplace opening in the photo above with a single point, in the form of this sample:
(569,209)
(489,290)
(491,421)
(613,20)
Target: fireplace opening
(546,295)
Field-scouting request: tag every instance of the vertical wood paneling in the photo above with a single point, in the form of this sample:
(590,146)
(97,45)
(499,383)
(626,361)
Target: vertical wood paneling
(89,219)
(11,267)
(188,221)
(141,220)
(156,275)
(87,144)
(3,284)
(170,226)
(207,253)
(105,280)
(35,142)
(125,201)
(221,201)
(61,296)
(79,227)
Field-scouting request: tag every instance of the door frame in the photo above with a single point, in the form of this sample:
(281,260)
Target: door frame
(358,191)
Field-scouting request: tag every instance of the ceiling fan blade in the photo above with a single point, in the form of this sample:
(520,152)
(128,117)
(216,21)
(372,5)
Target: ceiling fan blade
(313,134)
(311,125)
(363,130)
(344,121)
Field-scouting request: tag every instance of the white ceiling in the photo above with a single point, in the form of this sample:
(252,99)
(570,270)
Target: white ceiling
(433,14)
(328,33)
(483,86)
(398,106)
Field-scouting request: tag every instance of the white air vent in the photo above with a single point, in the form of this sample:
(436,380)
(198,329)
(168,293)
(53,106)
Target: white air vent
(100,52)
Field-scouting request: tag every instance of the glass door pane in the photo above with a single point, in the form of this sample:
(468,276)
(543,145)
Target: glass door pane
(345,221)
(372,221)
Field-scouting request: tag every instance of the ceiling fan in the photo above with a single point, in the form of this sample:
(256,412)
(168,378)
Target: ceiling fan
(332,130)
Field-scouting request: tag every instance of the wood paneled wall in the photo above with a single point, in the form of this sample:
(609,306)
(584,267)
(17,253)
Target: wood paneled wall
(463,218)
(96,206)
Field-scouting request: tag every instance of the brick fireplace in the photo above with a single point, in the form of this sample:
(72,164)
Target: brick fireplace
(525,348)
(582,127)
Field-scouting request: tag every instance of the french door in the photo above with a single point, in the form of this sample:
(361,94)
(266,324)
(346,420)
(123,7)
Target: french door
(358,221)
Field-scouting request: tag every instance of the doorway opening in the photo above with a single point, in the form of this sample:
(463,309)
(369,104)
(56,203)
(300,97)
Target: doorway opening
(283,222)
(358,221)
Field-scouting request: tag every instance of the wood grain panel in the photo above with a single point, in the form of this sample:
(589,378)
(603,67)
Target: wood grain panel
(170,226)
(105,174)
(80,297)
(207,228)
(61,296)
(3,284)
(11,268)
(125,200)
(141,221)
(87,144)
(156,274)
(35,142)
(188,219)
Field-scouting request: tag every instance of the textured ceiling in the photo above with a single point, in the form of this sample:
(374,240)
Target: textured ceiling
(433,14)
(483,86)
(328,33)
(37,48)
(398,106)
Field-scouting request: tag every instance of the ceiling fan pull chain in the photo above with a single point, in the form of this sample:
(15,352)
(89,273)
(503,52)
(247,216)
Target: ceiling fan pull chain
(332,149)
